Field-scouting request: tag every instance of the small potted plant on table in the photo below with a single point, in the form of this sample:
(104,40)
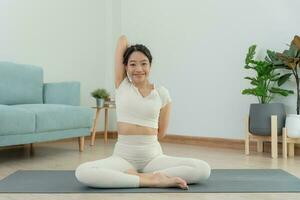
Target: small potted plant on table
(100,95)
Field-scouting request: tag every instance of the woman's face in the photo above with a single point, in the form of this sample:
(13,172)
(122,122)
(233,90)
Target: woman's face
(138,67)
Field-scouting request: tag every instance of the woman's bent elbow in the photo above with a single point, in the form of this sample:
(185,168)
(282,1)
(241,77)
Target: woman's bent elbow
(161,135)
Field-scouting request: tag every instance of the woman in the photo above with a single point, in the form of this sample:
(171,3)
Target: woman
(143,111)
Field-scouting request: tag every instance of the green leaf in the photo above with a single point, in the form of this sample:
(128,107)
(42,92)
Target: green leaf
(250,54)
(288,53)
(280,66)
(248,67)
(274,77)
(254,82)
(293,50)
(249,91)
(280,91)
(249,78)
(282,79)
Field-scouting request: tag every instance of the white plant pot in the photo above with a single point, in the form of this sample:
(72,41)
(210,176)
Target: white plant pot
(292,125)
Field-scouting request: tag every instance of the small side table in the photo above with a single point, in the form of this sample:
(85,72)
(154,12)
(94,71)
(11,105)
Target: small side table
(106,119)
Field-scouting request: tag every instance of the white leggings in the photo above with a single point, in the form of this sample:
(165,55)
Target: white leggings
(144,154)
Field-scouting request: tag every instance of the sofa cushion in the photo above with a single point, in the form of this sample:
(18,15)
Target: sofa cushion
(16,120)
(51,117)
(67,93)
(20,84)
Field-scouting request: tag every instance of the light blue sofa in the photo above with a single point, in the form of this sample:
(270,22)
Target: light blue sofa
(32,111)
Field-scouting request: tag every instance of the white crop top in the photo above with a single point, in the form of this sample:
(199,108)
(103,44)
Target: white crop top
(133,108)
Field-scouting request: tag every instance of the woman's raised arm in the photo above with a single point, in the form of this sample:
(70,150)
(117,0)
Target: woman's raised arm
(120,73)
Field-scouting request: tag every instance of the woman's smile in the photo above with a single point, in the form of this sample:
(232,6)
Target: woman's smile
(138,74)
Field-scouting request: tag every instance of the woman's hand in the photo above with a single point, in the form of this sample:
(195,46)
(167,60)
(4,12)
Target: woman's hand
(123,41)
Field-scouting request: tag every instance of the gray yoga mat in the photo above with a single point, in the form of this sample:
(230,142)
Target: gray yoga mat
(221,180)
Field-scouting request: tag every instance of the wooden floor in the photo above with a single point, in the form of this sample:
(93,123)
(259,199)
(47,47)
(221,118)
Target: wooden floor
(65,155)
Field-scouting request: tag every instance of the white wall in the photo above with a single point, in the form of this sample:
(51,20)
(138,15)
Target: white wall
(198,48)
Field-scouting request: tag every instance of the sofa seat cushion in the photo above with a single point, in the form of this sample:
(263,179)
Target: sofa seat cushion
(15,121)
(51,117)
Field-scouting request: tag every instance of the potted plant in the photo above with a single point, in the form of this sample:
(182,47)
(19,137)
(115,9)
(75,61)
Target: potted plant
(265,86)
(290,60)
(100,95)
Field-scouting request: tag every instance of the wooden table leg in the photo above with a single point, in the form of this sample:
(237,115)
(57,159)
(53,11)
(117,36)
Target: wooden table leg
(291,151)
(260,146)
(274,139)
(93,136)
(81,143)
(247,139)
(31,149)
(284,143)
(106,125)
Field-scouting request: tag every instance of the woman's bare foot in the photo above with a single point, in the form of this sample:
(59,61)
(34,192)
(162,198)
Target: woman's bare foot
(159,179)
(162,180)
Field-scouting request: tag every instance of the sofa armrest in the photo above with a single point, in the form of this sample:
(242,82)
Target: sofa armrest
(62,93)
